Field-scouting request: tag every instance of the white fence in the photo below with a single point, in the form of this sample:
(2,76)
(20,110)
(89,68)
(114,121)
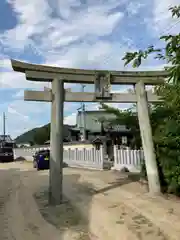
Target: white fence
(130,159)
(90,157)
(74,157)
(27,153)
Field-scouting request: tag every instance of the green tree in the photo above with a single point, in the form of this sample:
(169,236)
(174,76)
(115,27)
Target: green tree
(170,53)
(165,116)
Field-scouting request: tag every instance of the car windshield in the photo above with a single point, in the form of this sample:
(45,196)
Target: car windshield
(6,147)
(44,152)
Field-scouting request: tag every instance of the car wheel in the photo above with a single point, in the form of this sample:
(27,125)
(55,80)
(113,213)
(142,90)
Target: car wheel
(37,167)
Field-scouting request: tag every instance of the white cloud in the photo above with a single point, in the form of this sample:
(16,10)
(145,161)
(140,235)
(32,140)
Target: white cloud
(162,19)
(31,16)
(101,54)
(45,35)
(17,80)
(71,119)
(5,63)
(134,7)
(54,32)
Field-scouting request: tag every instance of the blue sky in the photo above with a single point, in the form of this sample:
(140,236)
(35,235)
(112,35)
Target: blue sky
(71,33)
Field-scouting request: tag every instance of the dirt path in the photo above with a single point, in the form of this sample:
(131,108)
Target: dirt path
(98,205)
(20,217)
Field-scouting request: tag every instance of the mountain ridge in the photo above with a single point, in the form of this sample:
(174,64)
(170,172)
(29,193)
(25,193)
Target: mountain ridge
(39,135)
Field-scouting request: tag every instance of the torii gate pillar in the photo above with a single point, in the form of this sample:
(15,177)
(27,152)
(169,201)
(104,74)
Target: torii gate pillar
(147,138)
(56,143)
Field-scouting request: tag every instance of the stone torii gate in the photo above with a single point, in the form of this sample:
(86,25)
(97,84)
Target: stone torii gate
(102,81)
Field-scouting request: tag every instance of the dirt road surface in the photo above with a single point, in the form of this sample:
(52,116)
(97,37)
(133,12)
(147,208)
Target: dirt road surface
(98,205)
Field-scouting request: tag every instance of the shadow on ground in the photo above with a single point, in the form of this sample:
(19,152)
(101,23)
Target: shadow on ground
(120,180)
(66,217)
(19,159)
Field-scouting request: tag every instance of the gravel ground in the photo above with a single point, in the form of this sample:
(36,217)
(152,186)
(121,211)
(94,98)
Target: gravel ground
(98,205)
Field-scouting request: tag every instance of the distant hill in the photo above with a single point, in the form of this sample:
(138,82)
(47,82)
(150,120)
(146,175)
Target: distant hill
(39,135)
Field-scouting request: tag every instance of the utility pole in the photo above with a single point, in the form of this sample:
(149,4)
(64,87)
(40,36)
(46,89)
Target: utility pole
(83,115)
(4,126)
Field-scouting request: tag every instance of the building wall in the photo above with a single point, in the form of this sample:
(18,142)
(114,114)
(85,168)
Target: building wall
(92,117)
